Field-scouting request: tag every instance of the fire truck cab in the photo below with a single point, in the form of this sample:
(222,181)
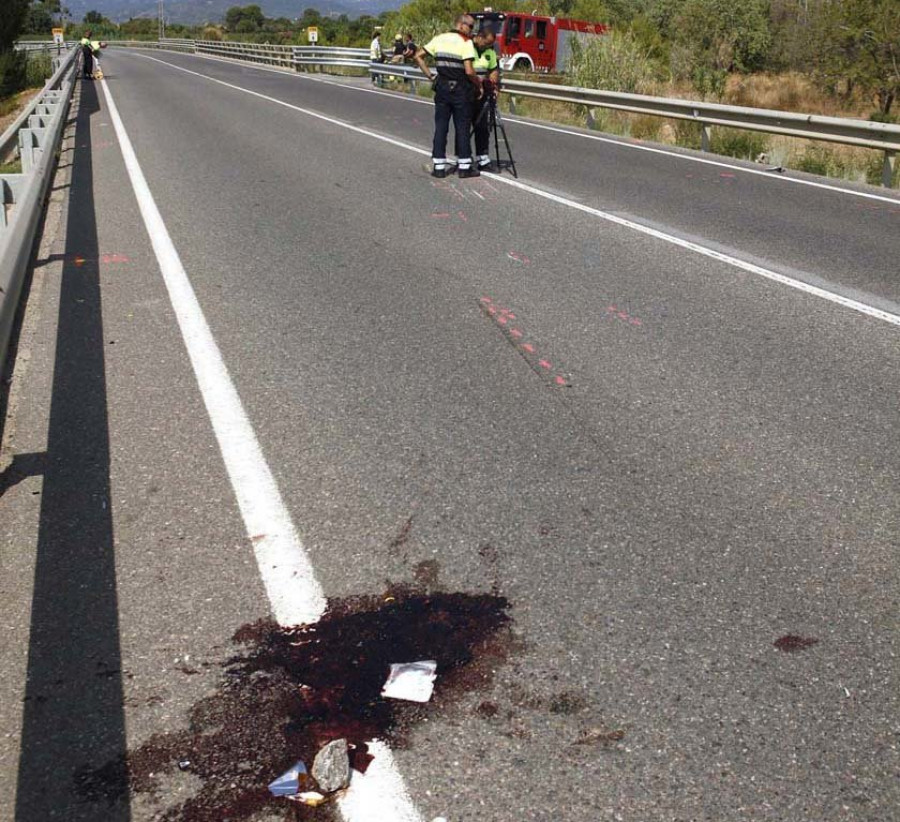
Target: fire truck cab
(535,43)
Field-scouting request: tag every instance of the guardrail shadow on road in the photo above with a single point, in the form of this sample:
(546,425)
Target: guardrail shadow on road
(73,717)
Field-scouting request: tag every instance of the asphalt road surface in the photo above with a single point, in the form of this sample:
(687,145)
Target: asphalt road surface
(618,448)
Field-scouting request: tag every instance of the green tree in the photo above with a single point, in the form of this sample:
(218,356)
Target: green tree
(615,62)
(40,17)
(726,35)
(12,62)
(93,18)
(244,18)
(860,41)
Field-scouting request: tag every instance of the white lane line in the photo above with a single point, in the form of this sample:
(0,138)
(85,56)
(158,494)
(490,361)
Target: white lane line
(284,566)
(769,175)
(379,795)
(800,285)
(621,143)
(287,573)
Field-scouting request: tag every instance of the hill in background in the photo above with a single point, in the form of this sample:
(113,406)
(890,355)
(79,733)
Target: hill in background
(202,11)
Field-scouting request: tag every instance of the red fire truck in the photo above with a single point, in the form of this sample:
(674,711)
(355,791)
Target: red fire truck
(534,43)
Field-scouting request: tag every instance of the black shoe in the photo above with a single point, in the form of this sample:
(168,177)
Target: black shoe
(489,167)
(466,173)
(440,173)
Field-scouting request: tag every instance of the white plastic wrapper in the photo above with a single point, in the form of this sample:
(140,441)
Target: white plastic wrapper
(413,681)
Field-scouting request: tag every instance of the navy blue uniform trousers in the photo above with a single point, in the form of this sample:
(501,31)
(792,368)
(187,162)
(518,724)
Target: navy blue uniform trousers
(452,99)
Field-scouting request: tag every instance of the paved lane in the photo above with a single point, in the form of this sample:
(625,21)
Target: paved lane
(847,241)
(716,468)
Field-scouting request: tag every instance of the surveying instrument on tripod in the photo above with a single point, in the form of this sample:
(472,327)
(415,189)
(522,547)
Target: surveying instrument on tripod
(496,129)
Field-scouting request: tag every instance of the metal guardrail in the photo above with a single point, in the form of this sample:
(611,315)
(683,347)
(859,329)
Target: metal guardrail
(862,133)
(326,56)
(250,52)
(42,45)
(35,136)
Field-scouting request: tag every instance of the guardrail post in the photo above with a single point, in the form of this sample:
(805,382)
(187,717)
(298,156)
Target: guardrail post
(512,104)
(30,150)
(704,136)
(887,171)
(8,192)
(591,118)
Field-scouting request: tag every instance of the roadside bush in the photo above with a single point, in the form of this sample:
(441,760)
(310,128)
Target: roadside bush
(39,68)
(745,145)
(688,134)
(824,160)
(646,127)
(616,62)
(874,168)
(13,72)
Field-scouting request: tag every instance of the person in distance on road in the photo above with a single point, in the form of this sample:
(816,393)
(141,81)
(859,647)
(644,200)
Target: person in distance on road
(456,86)
(487,67)
(375,55)
(409,48)
(375,48)
(397,56)
(87,56)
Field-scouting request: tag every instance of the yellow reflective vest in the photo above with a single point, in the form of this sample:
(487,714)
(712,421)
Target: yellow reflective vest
(486,62)
(450,51)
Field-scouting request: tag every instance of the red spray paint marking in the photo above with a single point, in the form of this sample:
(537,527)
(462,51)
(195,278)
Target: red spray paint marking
(726,174)
(502,316)
(462,216)
(614,313)
(519,258)
(107,259)
(441,215)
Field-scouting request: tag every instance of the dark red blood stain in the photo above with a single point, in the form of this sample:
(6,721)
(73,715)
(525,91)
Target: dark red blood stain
(791,643)
(403,536)
(288,691)
(426,573)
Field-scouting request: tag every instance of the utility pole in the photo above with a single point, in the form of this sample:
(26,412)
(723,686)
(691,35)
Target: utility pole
(162,20)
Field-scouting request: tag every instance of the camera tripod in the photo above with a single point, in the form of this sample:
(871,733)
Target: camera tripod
(495,128)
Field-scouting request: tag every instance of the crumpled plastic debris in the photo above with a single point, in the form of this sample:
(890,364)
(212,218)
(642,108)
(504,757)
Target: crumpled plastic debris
(311,798)
(413,681)
(288,784)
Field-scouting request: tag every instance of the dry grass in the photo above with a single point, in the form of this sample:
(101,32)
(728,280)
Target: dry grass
(792,92)
(11,107)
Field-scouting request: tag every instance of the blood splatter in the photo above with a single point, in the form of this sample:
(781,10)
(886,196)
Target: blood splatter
(288,691)
(791,643)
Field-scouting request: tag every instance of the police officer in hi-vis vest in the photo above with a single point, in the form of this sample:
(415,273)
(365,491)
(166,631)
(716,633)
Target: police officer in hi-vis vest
(456,88)
(487,67)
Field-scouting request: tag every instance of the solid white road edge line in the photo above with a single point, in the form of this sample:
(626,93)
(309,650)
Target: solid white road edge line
(622,143)
(293,591)
(287,574)
(800,285)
